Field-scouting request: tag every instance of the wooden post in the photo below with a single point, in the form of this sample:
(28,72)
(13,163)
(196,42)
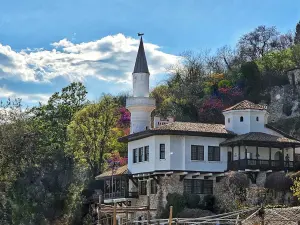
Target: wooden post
(126,212)
(148,209)
(115,214)
(270,157)
(239,155)
(283,159)
(256,152)
(171,215)
(294,156)
(232,152)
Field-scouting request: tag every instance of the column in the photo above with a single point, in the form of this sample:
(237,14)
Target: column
(282,163)
(246,157)
(239,155)
(232,152)
(270,157)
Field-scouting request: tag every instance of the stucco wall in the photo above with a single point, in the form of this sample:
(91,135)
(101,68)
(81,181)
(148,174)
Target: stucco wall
(249,123)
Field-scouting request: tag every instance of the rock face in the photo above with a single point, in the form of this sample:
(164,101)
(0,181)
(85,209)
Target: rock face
(284,102)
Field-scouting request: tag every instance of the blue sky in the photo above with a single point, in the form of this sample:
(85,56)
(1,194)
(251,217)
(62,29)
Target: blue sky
(44,45)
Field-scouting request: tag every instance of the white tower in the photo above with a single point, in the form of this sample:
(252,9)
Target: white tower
(140,105)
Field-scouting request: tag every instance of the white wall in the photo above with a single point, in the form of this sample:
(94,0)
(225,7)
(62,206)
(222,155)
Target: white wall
(178,154)
(249,123)
(140,83)
(213,166)
(140,167)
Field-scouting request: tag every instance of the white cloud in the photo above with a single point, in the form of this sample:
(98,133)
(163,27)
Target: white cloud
(27,98)
(110,59)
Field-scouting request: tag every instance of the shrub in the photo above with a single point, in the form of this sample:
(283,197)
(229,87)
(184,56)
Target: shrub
(224,84)
(278,181)
(287,108)
(209,202)
(177,201)
(192,200)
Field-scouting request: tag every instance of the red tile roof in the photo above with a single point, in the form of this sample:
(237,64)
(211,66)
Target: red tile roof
(194,127)
(246,105)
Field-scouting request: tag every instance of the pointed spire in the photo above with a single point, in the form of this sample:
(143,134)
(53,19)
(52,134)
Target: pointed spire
(141,65)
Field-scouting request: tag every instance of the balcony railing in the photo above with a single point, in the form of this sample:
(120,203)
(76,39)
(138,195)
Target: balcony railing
(121,194)
(260,164)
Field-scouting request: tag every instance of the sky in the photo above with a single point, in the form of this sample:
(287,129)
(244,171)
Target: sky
(45,45)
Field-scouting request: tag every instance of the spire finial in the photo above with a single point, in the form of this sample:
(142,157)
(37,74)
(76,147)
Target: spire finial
(141,65)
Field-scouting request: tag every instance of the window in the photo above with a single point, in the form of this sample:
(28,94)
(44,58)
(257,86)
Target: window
(207,186)
(143,187)
(162,151)
(141,152)
(193,186)
(241,119)
(257,118)
(197,152)
(197,186)
(213,153)
(228,120)
(153,187)
(187,186)
(134,155)
(146,153)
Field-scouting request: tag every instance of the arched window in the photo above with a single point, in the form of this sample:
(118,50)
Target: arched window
(257,118)
(241,119)
(228,120)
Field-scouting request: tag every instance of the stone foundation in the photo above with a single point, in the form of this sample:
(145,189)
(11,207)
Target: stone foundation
(166,185)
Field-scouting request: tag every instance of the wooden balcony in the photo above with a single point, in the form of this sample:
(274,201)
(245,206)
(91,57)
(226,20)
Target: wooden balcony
(120,194)
(263,165)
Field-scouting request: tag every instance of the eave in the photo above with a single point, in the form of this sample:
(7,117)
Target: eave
(149,133)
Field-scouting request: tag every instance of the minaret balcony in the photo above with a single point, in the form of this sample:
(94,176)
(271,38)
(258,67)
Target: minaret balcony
(140,102)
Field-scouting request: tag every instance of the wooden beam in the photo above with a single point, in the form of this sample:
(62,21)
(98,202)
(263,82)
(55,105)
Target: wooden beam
(156,179)
(194,175)
(182,177)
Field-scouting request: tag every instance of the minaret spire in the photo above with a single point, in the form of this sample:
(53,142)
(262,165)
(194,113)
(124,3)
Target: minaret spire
(140,104)
(141,65)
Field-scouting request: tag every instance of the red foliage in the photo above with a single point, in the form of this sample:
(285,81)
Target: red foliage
(115,161)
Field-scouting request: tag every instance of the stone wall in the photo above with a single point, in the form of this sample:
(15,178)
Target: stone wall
(166,185)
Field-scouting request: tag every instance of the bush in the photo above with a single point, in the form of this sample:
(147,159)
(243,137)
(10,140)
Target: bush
(209,202)
(177,201)
(278,181)
(192,200)
(287,108)
(224,84)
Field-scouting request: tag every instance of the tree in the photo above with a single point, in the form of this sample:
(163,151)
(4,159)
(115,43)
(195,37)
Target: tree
(252,80)
(17,150)
(297,34)
(48,190)
(257,43)
(93,132)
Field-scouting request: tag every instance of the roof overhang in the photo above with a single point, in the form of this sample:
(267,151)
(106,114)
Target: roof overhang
(261,144)
(148,133)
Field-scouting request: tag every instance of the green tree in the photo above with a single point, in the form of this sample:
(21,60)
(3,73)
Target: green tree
(252,79)
(297,34)
(48,189)
(93,132)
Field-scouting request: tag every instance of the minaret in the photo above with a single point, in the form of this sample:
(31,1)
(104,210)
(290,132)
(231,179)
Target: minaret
(140,105)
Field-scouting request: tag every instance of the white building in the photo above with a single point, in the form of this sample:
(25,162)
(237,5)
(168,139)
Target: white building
(189,157)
